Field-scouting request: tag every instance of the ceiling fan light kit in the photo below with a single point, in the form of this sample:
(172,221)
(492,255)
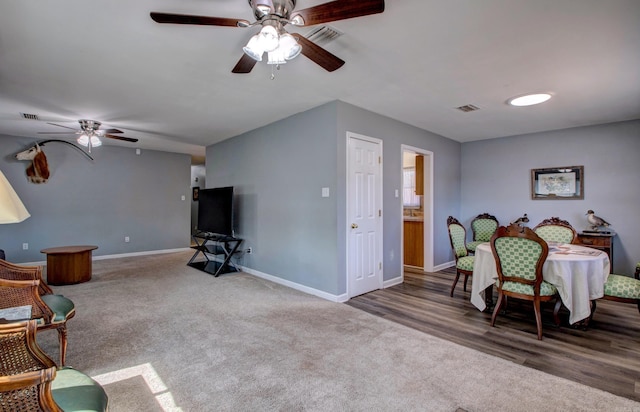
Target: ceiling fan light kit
(272,38)
(93,141)
(280,47)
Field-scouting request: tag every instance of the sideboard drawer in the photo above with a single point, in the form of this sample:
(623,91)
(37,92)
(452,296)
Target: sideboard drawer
(594,241)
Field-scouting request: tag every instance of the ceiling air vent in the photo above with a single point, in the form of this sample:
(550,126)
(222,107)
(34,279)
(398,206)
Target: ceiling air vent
(29,116)
(323,35)
(468,108)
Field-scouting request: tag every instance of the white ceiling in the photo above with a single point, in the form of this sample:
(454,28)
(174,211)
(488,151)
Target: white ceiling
(171,86)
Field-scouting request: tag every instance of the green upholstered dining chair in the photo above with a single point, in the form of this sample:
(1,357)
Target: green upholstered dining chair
(30,381)
(464,262)
(483,227)
(520,255)
(621,288)
(52,311)
(556,230)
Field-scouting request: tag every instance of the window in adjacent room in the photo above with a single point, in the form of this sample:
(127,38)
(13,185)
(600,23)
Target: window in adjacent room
(409,197)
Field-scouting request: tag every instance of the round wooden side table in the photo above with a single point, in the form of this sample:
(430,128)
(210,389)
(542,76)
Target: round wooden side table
(67,265)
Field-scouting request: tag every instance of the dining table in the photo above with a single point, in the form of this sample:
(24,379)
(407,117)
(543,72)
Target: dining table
(578,272)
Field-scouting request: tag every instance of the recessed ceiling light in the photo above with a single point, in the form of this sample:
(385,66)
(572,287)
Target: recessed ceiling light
(529,99)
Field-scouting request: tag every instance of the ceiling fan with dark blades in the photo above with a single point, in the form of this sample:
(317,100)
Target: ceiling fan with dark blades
(90,133)
(273,39)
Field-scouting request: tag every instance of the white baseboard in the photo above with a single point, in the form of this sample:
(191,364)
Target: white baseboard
(392,282)
(296,286)
(444,266)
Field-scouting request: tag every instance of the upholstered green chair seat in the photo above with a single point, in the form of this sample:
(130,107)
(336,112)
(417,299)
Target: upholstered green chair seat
(546,289)
(465,263)
(622,287)
(74,391)
(61,307)
(471,246)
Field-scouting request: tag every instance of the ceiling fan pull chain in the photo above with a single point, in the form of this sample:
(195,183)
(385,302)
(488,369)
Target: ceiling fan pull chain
(273,76)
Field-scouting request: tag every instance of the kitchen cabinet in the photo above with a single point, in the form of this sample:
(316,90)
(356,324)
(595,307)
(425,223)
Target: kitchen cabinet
(414,243)
(419,175)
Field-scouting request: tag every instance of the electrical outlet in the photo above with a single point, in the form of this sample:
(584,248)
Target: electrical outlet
(126,239)
(25,246)
(249,250)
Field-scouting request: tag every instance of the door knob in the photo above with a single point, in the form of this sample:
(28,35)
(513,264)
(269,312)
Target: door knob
(354,226)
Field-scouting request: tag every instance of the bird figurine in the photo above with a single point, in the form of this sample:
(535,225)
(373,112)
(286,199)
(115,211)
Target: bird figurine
(596,221)
(521,220)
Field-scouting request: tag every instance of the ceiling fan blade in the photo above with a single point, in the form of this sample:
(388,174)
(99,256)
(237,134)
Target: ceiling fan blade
(319,55)
(244,65)
(338,10)
(198,20)
(66,127)
(111,131)
(126,139)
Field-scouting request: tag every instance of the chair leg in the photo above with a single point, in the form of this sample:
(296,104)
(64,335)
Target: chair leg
(455,282)
(466,278)
(496,309)
(536,309)
(62,337)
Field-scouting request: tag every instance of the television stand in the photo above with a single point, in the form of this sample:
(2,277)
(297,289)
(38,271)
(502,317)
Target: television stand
(216,245)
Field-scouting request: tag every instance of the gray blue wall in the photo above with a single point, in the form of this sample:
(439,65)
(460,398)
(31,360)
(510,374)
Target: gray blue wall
(277,172)
(496,179)
(118,194)
(280,169)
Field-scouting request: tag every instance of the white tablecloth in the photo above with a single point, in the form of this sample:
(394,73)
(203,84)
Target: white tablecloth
(578,277)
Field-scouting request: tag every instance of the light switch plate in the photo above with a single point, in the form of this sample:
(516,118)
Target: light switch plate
(325,192)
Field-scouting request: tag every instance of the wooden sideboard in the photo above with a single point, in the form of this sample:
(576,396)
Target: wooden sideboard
(602,241)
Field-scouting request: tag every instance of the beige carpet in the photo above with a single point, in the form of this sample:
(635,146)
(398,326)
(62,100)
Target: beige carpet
(162,336)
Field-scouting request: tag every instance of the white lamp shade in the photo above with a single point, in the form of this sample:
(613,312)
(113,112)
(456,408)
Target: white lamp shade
(269,38)
(11,208)
(254,48)
(289,46)
(276,57)
(83,140)
(95,142)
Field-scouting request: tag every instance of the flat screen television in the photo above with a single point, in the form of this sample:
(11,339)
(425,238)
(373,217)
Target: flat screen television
(215,211)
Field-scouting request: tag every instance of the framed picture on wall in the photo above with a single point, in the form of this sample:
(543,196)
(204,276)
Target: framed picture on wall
(195,193)
(558,183)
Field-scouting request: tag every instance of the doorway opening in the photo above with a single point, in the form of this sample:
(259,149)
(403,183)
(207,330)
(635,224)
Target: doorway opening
(417,208)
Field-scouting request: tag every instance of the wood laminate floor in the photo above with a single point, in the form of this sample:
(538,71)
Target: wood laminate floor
(606,355)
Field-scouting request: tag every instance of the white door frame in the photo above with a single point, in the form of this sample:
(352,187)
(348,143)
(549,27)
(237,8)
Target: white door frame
(379,225)
(428,206)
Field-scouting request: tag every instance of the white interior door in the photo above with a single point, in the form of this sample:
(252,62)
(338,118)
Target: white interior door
(364,214)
